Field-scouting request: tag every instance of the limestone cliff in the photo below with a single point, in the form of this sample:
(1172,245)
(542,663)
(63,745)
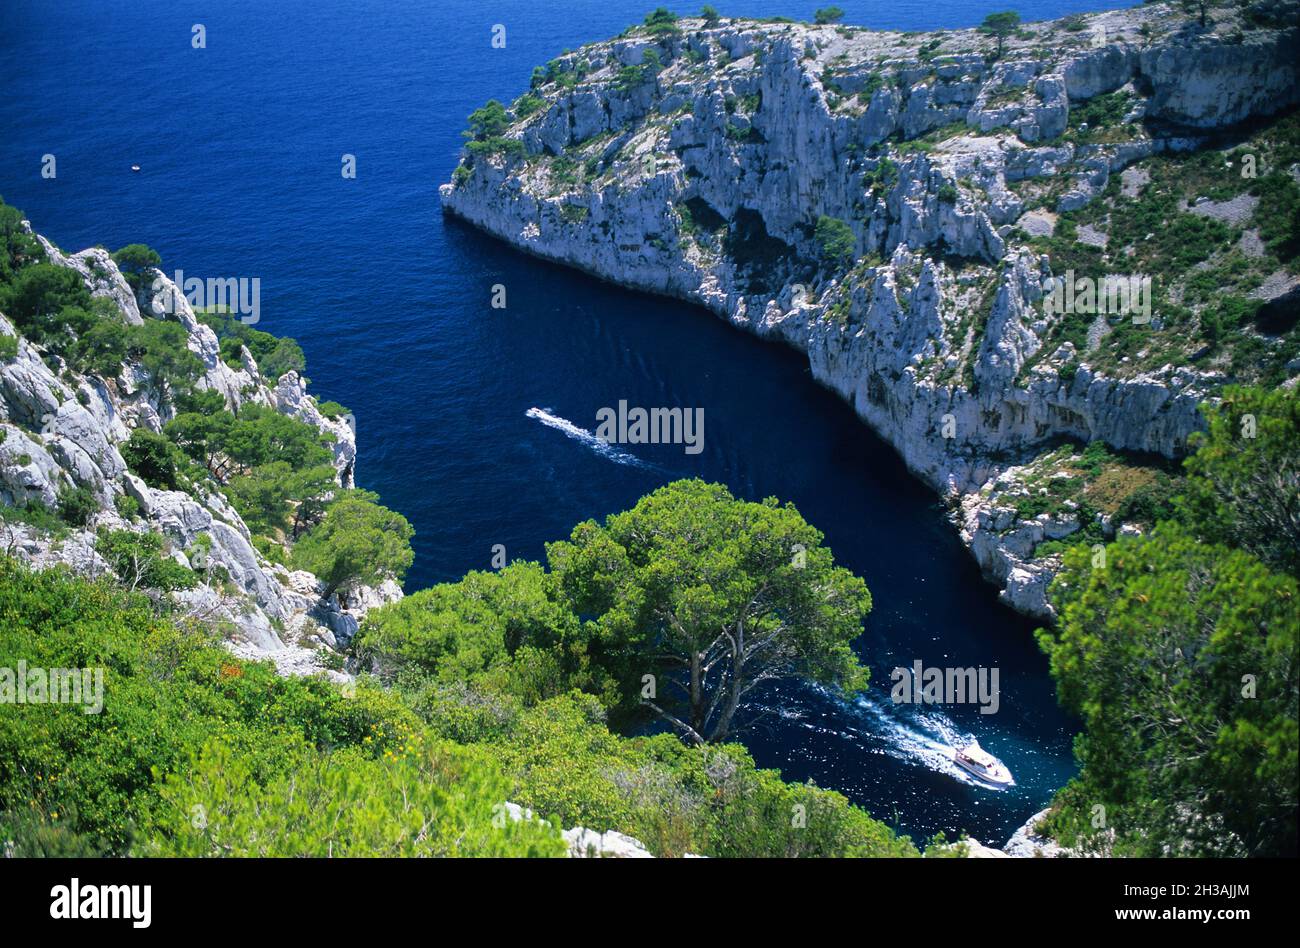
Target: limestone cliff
(60,429)
(703,161)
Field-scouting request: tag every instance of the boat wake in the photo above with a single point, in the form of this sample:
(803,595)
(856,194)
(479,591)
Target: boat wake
(603,448)
(925,738)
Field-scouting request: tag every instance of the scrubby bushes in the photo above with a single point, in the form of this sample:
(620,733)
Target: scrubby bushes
(185,725)
(1179,650)
(133,260)
(632,77)
(424,799)
(661,21)
(141,561)
(50,306)
(357,543)
(229,445)
(18,248)
(161,349)
(562,759)
(274,355)
(195,753)
(486,132)
(533,666)
(151,457)
(835,240)
(77,505)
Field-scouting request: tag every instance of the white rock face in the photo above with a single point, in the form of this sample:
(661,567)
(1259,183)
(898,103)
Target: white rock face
(1025,843)
(977,850)
(763,129)
(101,275)
(290,398)
(589,844)
(60,430)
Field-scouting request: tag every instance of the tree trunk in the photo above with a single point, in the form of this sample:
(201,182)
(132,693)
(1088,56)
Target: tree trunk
(697,697)
(723,727)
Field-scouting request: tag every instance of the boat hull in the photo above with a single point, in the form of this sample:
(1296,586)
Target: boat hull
(999,778)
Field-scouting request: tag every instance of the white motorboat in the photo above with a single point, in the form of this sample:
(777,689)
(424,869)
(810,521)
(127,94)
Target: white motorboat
(976,760)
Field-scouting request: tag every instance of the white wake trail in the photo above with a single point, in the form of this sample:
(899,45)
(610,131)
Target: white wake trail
(927,738)
(602,448)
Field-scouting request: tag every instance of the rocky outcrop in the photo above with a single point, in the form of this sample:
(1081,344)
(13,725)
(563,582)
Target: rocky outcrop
(698,165)
(977,850)
(585,843)
(1028,843)
(60,430)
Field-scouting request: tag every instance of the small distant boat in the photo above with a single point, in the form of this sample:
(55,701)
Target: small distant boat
(135,167)
(976,760)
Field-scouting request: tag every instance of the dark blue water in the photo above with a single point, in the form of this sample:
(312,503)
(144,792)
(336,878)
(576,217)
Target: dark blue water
(240,145)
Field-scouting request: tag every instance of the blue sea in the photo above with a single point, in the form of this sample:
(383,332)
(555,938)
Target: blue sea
(240,146)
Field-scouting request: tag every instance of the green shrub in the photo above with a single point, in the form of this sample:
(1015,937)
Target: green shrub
(18,248)
(835,239)
(48,304)
(883,176)
(1278,213)
(486,132)
(271,550)
(1152,635)
(78,783)
(662,21)
(228,445)
(151,457)
(139,561)
(331,410)
(128,508)
(102,349)
(133,260)
(431,800)
(77,505)
(1150,503)
(162,350)
(359,542)
(36,515)
(527,104)
(562,759)
(274,355)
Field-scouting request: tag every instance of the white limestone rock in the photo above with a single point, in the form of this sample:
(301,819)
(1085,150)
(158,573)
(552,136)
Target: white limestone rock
(781,138)
(585,843)
(1025,843)
(59,429)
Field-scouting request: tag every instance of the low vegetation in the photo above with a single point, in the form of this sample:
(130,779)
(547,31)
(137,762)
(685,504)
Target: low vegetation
(503,686)
(1179,650)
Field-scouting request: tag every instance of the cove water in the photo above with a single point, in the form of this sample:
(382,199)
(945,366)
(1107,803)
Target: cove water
(476,423)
